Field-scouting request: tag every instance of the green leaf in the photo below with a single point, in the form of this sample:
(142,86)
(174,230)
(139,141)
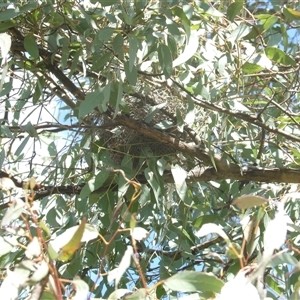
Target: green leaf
(165,59)
(200,221)
(131,74)
(279,56)
(189,50)
(91,101)
(150,177)
(234,9)
(191,281)
(251,68)
(210,10)
(38,92)
(48,296)
(6,88)
(108,2)
(119,98)
(118,43)
(8,14)
(133,48)
(68,250)
(119,294)
(2,157)
(82,289)
(239,32)
(75,60)
(291,14)
(179,176)
(5,132)
(31,46)
(13,212)
(127,17)
(20,149)
(178,11)
(99,61)
(270,22)
(30,129)
(105,34)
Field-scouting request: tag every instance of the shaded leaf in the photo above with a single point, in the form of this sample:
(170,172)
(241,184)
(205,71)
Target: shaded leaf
(91,101)
(31,46)
(165,59)
(234,9)
(131,75)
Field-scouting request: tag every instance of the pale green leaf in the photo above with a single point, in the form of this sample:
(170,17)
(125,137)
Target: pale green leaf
(210,228)
(82,289)
(191,281)
(189,50)
(179,176)
(13,212)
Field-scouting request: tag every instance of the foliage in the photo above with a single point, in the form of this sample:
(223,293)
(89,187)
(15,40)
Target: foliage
(150,149)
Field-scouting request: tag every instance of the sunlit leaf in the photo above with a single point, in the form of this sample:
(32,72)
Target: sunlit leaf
(33,248)
(82,289)
(291,14)
(5,43)
(275,233)
(179,176)
(191,281)
(189,50)
(139,233)
(118,294)
(116,274)
(247,201)
(251,68)
(13,212)
(239,32)
(279,56)
(239,288)
(210,228)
